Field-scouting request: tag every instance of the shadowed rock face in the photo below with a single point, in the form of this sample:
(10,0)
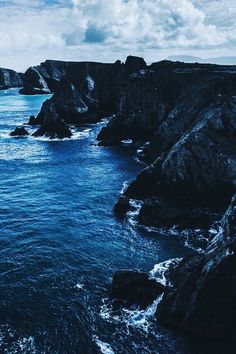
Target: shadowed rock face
(10,78)
(44,78)
(200,168)
(134,288)
(203,297)
(53,126)
(88,92)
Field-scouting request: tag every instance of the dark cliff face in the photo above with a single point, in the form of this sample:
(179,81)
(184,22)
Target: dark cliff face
(10,78)
(88,92)
(188,114)
(44,78)
(202,299)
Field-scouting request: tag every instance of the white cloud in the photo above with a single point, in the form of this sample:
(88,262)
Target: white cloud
(31,31)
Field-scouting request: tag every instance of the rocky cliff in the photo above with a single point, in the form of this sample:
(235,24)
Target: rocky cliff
(198,293)
(88,92)
(183,110)
(10,78)
(44,78)
(188,115)
(202,298)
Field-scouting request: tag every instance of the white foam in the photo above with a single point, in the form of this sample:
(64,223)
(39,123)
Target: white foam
(76,135)
(141,319)
(158,273)
(91,83)
(105,348)
(79,286)
(127,141)
(193,238)
(124,187)
(132,215)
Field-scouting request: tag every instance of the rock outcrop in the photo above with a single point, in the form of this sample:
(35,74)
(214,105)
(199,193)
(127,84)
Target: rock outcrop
(44,78)
(202,298)
(134,288)
(199,295)
(19,131)
(88,92)
(183,114)
(10,78)
(53,126)
(184,110)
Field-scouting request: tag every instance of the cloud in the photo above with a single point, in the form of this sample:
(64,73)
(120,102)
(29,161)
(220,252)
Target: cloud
(152,23)
(31,31)
(94,34)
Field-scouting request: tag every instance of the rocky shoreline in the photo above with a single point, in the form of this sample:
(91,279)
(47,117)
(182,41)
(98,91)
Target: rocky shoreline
(185,117)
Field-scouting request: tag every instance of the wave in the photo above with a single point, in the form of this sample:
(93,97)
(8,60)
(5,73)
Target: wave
(105,348)
(124,187)
(14,343)
(79,286)
(132,215)
(138,318)
(159,271)
(195,239)
(76,135)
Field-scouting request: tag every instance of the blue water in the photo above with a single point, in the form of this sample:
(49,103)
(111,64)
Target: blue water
(60,243)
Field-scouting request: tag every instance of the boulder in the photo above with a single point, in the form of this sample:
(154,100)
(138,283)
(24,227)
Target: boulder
(134,288)
(19,131)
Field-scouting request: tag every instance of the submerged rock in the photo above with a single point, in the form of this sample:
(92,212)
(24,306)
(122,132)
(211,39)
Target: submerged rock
(202,299)
(134,288)
(19,131)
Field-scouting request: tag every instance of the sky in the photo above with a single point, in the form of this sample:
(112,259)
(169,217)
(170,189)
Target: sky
(32,31)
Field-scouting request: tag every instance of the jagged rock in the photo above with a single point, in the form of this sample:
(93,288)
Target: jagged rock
(33,121)
(134,288)
(19,131)
(200,168)
(52,126)
(202,299)
(10,78)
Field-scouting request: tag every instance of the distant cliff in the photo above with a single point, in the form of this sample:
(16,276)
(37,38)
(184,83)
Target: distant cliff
(44,78)
(10,78)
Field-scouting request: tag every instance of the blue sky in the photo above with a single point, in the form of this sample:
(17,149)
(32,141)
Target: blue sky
(105,30)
